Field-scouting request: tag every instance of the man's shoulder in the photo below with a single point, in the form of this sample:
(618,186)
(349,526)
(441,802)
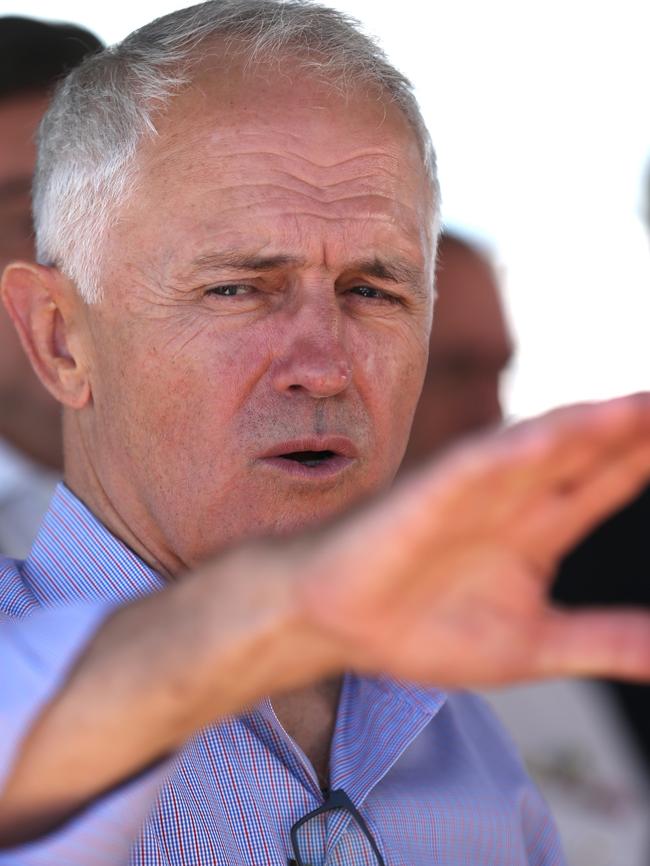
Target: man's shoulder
(475,721)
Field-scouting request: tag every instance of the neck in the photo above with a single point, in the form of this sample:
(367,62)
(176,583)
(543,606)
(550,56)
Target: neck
(308,715)
(124,519)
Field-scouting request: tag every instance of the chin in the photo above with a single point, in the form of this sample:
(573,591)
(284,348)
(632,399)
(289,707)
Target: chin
(279,509)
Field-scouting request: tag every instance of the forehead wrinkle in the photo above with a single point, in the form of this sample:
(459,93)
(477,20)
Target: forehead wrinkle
(217,144)
(362,196)
(376,156)
(254,133)
(256,203)
(381,167)
(378,191)
(315,194)
(317,188)
(335,220)
(232,171)
(388,150)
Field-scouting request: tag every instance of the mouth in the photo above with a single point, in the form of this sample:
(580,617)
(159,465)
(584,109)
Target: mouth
(309,458)
(312,460)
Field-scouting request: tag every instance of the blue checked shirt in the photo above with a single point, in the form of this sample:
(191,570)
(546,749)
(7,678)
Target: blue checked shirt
(433,775)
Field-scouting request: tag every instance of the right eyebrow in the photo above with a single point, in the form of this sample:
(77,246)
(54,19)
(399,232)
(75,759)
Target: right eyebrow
(243,261)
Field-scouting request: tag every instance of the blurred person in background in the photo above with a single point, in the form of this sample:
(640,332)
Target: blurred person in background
(34,55)
(470,349)
(583,758)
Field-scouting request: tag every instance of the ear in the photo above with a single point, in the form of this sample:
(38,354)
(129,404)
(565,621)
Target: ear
(45,309)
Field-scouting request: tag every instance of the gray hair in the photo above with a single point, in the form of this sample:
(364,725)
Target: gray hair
(89,137)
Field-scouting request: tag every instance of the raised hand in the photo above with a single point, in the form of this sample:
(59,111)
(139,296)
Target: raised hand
(446,579)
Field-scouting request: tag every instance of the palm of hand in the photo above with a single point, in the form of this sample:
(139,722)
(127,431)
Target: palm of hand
(446,579)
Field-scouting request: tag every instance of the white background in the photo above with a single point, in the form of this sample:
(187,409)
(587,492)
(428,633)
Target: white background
(540,113)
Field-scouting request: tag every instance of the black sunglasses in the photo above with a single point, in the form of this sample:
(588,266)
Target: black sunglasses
(308,836)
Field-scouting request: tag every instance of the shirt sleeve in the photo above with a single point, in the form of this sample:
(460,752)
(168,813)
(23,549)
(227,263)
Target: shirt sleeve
(35,657)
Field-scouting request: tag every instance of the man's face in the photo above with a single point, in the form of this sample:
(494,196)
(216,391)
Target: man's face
(470,349)
(262,340)
(19,119)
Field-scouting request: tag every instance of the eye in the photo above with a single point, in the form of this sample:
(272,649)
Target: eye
(373,294)
(230,290)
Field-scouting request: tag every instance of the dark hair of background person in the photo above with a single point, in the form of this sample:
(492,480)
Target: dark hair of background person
(34,55)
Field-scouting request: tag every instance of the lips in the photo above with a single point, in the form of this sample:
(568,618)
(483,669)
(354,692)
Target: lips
(314,457)
(335,445)
(309,458)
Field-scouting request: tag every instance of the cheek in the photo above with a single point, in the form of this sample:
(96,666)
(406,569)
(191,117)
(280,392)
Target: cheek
(390,371)
(168,390)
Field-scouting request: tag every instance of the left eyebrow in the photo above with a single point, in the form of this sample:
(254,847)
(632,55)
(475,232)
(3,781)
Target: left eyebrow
(242,261)
(394,270)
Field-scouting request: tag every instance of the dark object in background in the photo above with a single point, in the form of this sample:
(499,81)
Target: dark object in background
(612,567)
(34,55)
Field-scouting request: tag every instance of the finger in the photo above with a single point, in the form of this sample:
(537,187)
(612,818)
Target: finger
(482,485)
(562,450)
(597,642)
(553,525)
(489,480)
(603,430)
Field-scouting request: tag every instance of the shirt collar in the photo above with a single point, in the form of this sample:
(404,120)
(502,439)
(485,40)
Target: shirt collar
(76,558)
(384,715)
(425,699)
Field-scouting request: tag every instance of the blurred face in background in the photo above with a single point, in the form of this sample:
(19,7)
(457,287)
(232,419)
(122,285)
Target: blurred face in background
(23,400)
(469,351)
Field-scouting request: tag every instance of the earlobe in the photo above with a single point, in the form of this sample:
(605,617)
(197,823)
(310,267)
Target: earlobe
(40,302)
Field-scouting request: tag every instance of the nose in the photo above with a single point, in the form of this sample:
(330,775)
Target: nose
(311,356)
